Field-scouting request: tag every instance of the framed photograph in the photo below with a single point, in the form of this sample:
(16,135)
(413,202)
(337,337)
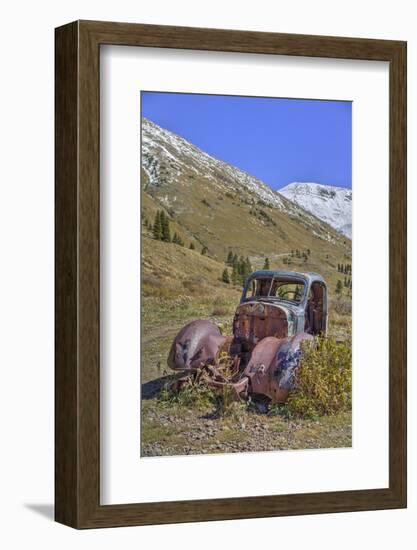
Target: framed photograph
(230,274)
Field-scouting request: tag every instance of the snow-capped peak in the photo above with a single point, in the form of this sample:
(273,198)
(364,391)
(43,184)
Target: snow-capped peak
(331,204)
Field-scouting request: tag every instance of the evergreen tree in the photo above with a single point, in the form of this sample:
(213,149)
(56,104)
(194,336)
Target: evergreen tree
(266,264)
(244,269)
(192,247)
(165,231)
(308,251)
(229,260)
(225,276)
(339,287)
(241,266)
(204,250)
(235,275)
(176,239)
(235,260)
(157,229)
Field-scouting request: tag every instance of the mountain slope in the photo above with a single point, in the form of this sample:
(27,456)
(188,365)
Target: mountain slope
(215,205)
(331,204)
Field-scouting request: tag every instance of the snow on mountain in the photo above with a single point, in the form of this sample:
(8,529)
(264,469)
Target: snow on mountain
(172,164)
(331,204)
(179,155)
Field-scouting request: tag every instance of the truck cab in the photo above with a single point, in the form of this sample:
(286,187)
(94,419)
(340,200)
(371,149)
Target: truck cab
(280,304)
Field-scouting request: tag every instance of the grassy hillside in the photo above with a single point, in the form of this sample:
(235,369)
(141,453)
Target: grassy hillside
(231,224)
(239,222)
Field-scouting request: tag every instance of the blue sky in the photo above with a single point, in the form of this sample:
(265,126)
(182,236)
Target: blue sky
(277,140)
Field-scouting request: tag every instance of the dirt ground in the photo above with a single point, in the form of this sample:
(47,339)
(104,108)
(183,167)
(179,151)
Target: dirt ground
(181,431)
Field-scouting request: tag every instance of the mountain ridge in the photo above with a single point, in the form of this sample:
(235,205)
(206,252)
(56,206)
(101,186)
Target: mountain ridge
(329,203)
(167,165)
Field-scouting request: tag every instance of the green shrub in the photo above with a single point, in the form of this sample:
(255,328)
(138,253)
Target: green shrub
(324,379)
(191,395)
(197,395)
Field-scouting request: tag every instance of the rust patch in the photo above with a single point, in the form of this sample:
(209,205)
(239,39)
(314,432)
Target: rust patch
(254,321)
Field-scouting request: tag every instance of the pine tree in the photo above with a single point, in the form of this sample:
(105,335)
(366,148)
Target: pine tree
(266,264)
(235,275)
(229,260)
(192,247)
(244,269)
(308,251)
(339,287)
(204,250)
(157,229)
(225,276)
(165,231)
(241,265)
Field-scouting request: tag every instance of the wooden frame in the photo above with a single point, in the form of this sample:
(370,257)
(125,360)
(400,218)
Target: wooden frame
(77,373)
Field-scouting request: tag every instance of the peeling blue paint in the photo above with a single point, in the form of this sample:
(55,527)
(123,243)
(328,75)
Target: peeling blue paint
(287,362)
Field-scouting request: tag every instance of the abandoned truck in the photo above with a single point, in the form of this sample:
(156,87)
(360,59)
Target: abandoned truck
(278,310)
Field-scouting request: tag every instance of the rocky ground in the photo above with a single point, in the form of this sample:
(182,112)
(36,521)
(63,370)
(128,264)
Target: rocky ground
(169,429)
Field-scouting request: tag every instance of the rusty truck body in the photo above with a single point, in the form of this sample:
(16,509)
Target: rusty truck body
(278,310)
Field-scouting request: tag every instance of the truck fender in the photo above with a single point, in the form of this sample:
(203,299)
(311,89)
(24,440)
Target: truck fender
(197,344)
(273,365)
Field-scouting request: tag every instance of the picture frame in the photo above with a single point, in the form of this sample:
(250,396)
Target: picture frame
(77,261)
